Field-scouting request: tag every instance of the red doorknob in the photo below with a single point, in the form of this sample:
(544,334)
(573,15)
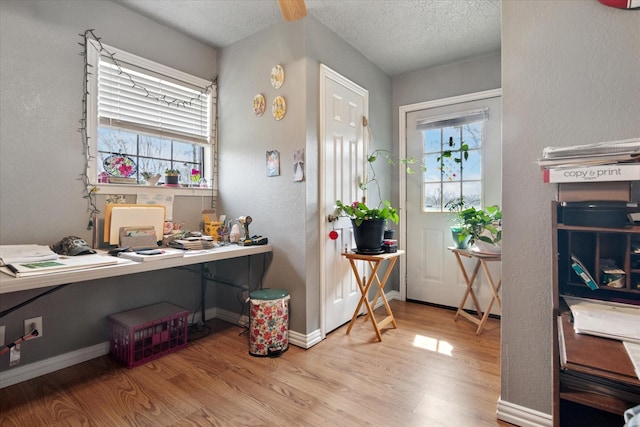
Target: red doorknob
(333,234)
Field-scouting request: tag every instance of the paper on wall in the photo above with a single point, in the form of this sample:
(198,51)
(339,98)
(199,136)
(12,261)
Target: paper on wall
(150,198)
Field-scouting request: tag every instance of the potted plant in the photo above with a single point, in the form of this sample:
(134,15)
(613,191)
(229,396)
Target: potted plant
(483,227)
(362,214)
(171,176)
(461,234)
(370,223)
(150,178)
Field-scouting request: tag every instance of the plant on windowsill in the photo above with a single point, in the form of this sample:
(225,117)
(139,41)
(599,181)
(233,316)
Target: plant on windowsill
(171,176)
(150,178)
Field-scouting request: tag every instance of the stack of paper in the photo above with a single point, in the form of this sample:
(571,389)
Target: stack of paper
(10,254)
(193,243)
(605,319)
(63,263)
(599,153)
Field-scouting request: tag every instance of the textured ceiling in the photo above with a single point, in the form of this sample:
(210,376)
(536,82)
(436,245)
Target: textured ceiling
(397,35)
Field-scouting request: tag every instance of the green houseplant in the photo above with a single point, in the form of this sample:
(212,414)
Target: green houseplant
(369,222)
(362,214)
(461,235)
(482,226)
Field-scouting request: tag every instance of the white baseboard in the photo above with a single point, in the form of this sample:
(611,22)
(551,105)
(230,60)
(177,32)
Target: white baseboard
(52,364)
(295,338)
(522,416)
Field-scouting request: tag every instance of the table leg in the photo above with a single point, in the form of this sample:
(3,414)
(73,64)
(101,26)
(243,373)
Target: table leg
(495,297)
(469,291)
(364,290)
(380,294)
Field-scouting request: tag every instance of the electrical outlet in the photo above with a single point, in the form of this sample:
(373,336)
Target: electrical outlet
(33,323)
(1,336)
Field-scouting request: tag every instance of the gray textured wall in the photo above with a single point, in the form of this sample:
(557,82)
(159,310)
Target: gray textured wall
(284,210)
(41,74)
(569,76)
(40,106)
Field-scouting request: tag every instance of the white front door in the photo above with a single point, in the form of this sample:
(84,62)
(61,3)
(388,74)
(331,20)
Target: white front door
(343,104)
(431,269)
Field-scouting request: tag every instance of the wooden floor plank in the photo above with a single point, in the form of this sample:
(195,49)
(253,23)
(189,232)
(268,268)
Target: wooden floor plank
(430,371)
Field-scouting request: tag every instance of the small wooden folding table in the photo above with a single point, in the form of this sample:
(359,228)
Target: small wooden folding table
(482,258)
(374,262)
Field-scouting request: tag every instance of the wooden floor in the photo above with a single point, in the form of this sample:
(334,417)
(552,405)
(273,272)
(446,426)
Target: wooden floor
(431,371)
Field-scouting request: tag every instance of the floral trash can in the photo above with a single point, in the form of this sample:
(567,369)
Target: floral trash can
(269,322)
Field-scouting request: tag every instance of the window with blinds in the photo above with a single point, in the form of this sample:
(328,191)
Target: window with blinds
(151,118)
(449,178)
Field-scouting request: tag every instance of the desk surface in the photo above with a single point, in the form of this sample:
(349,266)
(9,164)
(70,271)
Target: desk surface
(593,355)
(123,267)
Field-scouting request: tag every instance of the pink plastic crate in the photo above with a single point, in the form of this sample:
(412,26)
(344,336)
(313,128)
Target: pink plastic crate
(147,333)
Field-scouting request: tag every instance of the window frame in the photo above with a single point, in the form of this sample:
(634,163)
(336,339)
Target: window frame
(442,181)
(93,122)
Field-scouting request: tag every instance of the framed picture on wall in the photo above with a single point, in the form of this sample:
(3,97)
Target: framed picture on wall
(273,163)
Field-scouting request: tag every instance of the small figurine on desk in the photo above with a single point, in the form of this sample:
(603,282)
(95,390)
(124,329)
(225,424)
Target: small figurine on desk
(245,221)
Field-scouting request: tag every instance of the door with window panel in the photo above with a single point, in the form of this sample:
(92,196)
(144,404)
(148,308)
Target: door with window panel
(436,135)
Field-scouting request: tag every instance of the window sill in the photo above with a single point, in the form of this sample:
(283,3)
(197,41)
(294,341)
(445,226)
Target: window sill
(104,188)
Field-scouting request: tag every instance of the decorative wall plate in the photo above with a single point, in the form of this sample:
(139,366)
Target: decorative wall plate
(120,165)
(279,108)
(277,76)
(259,105)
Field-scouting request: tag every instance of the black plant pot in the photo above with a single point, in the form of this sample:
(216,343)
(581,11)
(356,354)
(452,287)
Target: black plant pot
(368,235)
(171,179)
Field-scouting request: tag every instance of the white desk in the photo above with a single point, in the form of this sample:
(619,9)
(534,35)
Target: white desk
(10,284)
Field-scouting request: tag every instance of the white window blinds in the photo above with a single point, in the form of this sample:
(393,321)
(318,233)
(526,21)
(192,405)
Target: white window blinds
(453,120)
(152,103)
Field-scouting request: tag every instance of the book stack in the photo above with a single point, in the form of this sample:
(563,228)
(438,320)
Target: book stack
(599,162)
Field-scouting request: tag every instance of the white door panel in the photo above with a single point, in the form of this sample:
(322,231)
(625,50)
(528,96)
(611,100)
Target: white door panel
(433,274)
(343,148)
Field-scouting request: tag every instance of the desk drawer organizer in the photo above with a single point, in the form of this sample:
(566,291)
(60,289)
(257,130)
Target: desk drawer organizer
(147,333)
